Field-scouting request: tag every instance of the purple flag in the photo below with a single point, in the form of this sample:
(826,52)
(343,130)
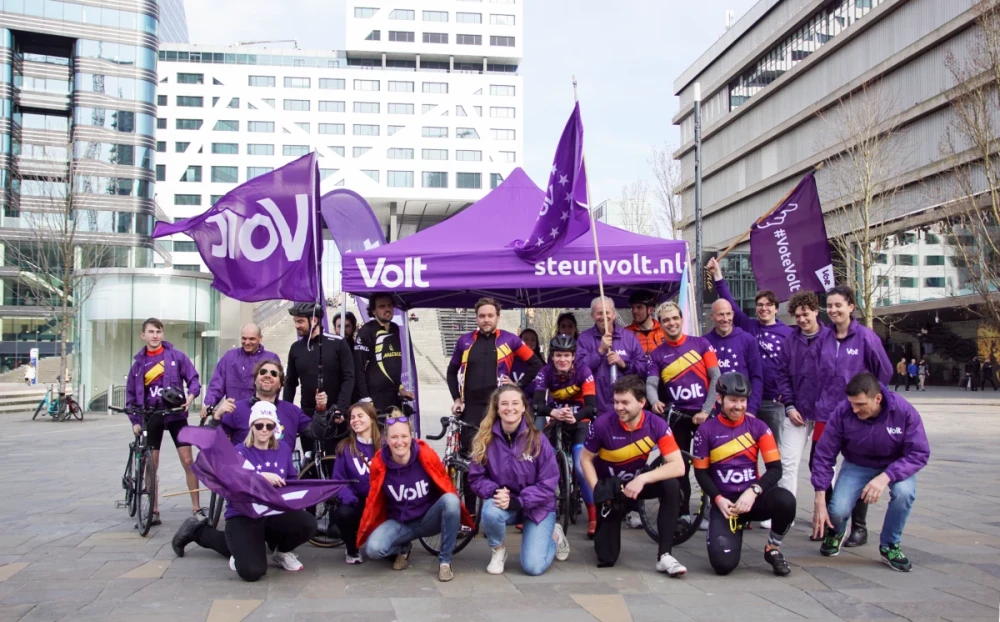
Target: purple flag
(563,215)
(789,249)
(220,468)
(258,240)
(351,221)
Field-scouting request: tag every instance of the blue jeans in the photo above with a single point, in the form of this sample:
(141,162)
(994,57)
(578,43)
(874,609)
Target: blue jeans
(537,546)
(851,480)
(392,537)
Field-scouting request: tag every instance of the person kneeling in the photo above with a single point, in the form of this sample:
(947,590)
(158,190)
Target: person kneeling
(514,471)
(724,456)
(615,453)
(410,497)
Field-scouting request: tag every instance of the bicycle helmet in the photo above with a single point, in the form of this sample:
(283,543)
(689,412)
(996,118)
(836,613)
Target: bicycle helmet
(172,397)
(642,297)
(562,343)
(306,309)
(733,383)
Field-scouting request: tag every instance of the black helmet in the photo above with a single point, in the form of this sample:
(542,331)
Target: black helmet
(172,397)
(642,297)
(733,383)
(306,309)
(562,343)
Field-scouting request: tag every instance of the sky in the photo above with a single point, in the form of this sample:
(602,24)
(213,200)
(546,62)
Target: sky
(625,55)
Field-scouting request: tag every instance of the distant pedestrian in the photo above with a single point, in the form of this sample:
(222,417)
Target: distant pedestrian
(971,374)
(29,375)
(987,375)
(900,373)
(922,373)
(911,374)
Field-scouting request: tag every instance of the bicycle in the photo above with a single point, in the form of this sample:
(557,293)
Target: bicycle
(569,497)
(320,466)
(457,467)
(216,503)
(60,408)
(698,503)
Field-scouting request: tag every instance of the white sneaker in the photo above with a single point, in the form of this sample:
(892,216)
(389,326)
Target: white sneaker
(353,559)
(497,561)
(562,544)
(289,561)
(670,565)
(703,525)
(232,563)
(765,524)
(633,520)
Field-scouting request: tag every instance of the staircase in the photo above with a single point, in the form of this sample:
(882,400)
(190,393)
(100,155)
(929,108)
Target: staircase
(48,371)
(426,339)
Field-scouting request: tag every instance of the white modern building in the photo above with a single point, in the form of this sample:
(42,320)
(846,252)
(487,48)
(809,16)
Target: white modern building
(421,115)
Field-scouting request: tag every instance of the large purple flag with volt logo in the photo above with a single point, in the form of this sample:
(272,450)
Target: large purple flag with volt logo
(259,240)
(563,215)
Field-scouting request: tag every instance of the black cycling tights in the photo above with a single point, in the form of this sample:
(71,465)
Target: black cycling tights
(724,546)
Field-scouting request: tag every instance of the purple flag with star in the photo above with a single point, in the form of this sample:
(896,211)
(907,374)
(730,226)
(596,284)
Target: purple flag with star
(563,215)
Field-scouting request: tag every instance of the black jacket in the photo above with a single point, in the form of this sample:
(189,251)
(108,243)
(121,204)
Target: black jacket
(378,359)
(338,373)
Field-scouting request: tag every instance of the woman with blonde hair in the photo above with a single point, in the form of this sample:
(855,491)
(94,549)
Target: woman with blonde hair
(354,456)
(514,471)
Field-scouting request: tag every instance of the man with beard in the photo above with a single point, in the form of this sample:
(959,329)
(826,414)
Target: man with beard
(378,358)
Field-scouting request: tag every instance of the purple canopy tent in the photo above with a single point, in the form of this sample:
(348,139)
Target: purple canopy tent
(468,256)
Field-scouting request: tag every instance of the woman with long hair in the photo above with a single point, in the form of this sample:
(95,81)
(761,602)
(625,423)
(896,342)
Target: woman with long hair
(566,325)
(514,471)
(519,368)
(354,455)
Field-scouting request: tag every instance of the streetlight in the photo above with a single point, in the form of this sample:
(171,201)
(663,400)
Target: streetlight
(696,277)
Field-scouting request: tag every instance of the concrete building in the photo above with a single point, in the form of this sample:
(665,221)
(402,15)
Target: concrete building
(780,87)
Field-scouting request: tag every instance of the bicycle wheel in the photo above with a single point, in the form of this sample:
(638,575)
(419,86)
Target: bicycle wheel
(327,535)
(564,494)
(691,515)
(75,410)
(215,506)
(42,407)
(458,471)
(146,491)
(128,481)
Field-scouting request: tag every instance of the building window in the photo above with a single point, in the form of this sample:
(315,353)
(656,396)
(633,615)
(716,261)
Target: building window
(372,174)
(468,156)
(327,106)
(226,148)
(934,281)
(502,42)
(502,112)
(189,124)
(190,78)
(434,154)
(400,36)
(435,37)
(295,150)
(331,128)
(161,172)
(366,107)
(906,281)
(392,129)
(905,260)
(495,180)
(508,156)
(468,180)
(403,14)
(161,146)
(934,260)
(215,198)
(375,35)
(400,108)
(435,132)
(478,110)
(425,108)
(227,126)
(302,125)
(326,173)
(502,90)
(257,171)
(336,84)
(396,86)
(435,180)
(265,81)
(435,87)
(186,246)
(502,20)
(469,18)
(263,127)
(260,150)
(297,83)
(190,101)
(397,153)
(466,132)
(297,105)
(186,199)
(234,103)
(181,147)
(469,39)
(192,174)
(357,152)
(338,150)
(364,12)
(435,16)
(399,179)
(161,100)
(365,130)
(366,85)
(225,174)
(502,134)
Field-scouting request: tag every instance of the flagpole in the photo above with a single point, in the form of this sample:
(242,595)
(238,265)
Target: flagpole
(317,233)
(593,231)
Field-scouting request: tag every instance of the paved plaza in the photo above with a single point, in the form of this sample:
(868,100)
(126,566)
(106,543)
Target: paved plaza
(66,552)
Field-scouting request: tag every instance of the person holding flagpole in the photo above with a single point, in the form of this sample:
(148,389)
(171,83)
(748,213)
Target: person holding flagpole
(609,352)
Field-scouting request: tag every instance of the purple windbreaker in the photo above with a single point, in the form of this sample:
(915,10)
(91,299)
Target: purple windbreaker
(738,351)
(860,351)
(177,371)
(801,372)
(534,480)
(894,441)
(626,345)
(233,376)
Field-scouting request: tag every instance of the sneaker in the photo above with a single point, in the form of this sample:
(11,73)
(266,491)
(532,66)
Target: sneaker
(155,520)
(591,521)
(831,544)
(562,544)
(765,524)
(703,525)
(445,574)
(403,559)
(777,561)
(633,520)
(859,537)
(186,534)
(289,561)
(353,559)
(894,558)
(497,561)
(669,565)
(232,563)
(200,514)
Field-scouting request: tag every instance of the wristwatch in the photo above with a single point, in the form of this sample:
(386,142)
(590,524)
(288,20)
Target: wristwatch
(757,490)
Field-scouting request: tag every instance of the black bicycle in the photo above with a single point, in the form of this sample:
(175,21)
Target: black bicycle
(216,503)
(457,467)
(693,509)
(569,497)
(318,465)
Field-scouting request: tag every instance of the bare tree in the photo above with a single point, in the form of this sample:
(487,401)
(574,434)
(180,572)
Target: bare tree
(544,323)
(868,155)
(971,144)
(635,208)
(667,173)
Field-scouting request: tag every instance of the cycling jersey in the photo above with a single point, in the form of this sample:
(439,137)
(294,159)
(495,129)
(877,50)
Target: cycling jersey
(508,347)
(565,389)
(169,368)
(729,451)
(620,452)
(683,372)
(648,339)
(379,363)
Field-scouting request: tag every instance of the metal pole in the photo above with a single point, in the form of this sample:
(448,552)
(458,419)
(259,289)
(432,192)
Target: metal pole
(696,274)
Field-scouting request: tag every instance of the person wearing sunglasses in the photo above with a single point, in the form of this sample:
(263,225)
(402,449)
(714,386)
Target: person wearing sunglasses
(235,373)
(410,496)
(514,471)
(246,541)
(354,455)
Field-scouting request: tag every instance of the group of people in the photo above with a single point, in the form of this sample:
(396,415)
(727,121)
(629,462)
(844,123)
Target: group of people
(977,374)
(751,389)
(911,373)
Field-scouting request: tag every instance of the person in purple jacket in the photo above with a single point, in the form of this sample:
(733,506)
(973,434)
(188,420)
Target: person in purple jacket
(882,439)
(609,355)
(737,351)
(354,456)
(514,472)
(158,366)
(770,333)
(235,373)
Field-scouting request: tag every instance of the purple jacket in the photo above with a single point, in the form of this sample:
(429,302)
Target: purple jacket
(533,480)
(738,351)
(292,422)
(894,441)
(354,468)
(860,351)
(626,345)
(177,372)
(768,340)
(802,374)
(233,375)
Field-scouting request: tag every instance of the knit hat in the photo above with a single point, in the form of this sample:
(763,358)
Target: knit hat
(265,411)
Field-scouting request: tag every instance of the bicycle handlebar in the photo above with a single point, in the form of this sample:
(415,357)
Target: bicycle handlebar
(445,423)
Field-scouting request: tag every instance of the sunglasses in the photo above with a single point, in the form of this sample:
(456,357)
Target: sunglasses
(261,426)
(393,420)
(264,372)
